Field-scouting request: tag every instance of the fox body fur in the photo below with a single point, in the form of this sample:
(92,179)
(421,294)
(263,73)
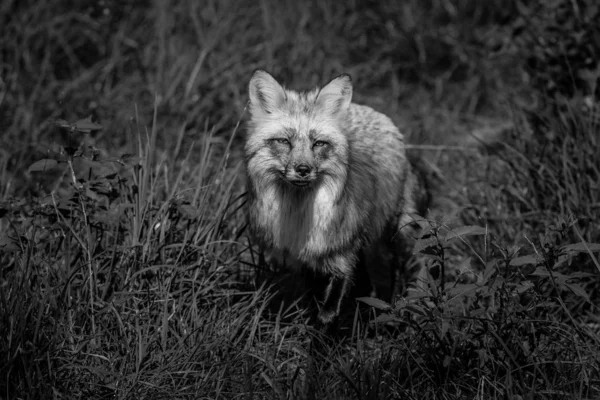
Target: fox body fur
(328,182)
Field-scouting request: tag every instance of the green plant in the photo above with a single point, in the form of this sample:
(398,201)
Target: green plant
(511,320)
(97,272)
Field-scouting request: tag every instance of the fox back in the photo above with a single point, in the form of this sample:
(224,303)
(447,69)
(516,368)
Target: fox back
(327,180)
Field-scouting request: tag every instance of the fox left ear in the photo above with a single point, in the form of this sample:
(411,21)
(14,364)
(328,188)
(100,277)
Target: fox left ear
(266,94)
(335,97)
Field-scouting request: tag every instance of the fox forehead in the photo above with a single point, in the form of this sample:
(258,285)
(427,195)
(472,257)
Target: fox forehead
(299,103)
(292,126)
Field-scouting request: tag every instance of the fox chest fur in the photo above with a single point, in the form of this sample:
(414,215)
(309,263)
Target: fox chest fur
(305,225)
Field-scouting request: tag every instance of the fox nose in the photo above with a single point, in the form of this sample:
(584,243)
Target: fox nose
(303,170)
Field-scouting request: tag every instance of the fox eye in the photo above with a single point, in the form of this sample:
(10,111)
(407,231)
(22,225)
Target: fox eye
(281,141)
(320,143)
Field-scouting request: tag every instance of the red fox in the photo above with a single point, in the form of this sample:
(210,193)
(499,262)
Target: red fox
(329,183)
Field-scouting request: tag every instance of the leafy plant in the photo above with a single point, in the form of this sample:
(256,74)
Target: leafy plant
(500,316)
(105,249)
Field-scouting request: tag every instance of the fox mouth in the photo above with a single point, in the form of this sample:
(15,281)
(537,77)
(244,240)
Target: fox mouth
(300,183)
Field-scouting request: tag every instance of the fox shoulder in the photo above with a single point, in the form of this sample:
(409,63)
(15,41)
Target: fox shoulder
(365,118)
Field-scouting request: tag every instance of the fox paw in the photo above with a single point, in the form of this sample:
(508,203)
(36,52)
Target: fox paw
(326,316)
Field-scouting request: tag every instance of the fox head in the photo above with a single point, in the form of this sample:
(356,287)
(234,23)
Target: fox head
(297,139)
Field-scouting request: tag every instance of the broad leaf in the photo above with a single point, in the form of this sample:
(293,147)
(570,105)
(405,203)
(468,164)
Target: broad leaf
(375,303)
(422,222)
(464,266)
(422,244)
(578,290)
(524,260)
(8,244)
(384,318)
(43,165)
(462,289)
(86,125)
(468,230)
(188,211)
(583,247)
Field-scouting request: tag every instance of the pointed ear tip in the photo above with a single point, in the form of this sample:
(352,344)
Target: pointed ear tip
(257,76)
(260,72)
(345,77)
(345,80)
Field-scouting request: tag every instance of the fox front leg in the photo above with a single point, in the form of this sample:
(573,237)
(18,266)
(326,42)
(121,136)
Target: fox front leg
(336,291)
(405,267)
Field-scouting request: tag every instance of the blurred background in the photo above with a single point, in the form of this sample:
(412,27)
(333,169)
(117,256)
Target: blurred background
(440,68)
(444,70)
(448,72)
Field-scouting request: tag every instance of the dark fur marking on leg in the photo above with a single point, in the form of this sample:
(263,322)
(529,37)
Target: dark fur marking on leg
(334,295)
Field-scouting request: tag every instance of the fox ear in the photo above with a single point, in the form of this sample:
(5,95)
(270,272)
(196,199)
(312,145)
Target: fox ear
(266,94)
(335,97)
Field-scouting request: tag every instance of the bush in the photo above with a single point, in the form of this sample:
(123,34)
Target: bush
(106,271)
(515,322)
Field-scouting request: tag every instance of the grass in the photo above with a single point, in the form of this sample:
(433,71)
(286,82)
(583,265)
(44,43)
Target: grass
(125,270)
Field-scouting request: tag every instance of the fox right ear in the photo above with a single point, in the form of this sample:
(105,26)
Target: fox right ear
(266,94)
(335,97)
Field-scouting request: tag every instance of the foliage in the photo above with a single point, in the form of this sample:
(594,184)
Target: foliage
(560,41)
(516,318)
(124,271)
(101,272)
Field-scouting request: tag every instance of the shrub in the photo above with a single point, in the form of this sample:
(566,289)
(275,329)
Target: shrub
(511,322)
(107,270)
